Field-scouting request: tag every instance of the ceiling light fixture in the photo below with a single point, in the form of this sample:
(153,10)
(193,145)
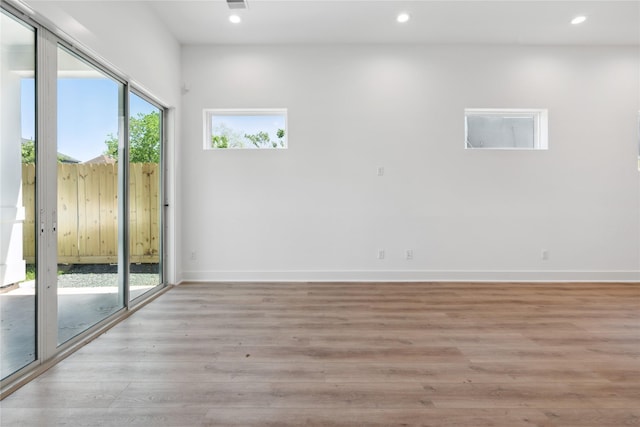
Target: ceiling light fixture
(235,19)
(403,17)
(578,20)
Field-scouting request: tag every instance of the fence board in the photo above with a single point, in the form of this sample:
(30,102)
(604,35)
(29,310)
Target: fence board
(67,210)
(135,186)
(92,210)
(108,210)
(154,209)
(142,201)
(88,213)
(83,227)
(29,203)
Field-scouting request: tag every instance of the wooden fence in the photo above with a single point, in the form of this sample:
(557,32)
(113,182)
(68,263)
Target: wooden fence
(88,213)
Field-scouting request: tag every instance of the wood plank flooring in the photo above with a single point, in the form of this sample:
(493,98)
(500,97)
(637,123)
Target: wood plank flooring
(355,354)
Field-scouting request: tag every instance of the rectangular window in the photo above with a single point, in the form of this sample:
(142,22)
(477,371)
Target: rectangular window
(514,129)
(245,129)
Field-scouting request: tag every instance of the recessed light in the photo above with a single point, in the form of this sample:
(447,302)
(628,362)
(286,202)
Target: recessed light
(235,19)
(578,20)
(403,17)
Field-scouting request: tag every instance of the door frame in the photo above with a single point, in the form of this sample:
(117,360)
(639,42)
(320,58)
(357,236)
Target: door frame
(48,352)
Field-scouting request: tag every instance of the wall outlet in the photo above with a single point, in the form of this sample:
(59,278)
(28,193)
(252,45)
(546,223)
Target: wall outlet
(194,256)
(408,254)
(380,253)
(544,255)
(380,170)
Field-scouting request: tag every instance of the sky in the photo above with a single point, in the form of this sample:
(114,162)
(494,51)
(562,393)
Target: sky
(87,114)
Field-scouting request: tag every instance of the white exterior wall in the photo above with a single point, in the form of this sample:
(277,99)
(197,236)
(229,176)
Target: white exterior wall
(318,211)
(12,213)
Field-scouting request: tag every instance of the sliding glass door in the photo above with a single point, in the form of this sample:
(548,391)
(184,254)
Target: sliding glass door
(82,196)
(90,107)
(17,196)
(145,195)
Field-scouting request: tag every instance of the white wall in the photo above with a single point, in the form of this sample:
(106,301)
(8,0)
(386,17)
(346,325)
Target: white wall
(126,34)
(317,211)
(16,59)
(131,39)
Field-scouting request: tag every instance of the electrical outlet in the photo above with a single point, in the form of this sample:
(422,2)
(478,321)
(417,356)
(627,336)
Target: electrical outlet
(380,253)
(544,255)
(409,254)
(194,255)
(380,170)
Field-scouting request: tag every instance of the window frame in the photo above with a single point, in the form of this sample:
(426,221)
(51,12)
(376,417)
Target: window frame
(209,113)
(540,130)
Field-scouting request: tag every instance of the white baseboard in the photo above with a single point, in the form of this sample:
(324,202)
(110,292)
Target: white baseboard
(411,276)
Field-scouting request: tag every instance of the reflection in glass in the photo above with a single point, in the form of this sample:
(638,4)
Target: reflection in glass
(17,198)
(500,131)
(90,116)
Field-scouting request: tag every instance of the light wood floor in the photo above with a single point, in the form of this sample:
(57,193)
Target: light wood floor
(430,354)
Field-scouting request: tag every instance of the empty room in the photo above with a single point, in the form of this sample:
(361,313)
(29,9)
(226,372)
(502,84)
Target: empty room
(320,213)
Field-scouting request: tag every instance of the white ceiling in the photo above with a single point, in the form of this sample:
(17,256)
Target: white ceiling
(373,21)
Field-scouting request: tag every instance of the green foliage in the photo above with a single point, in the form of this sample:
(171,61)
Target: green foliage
(30,273)
(220,141)
(112,146)
(263,140)
(260,139)
(144,139)
(225,137)
(280,135)
(28,152)
(63,158)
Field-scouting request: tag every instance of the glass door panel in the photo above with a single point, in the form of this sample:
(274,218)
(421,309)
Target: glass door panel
(17,198)
(90,120)
(145,198)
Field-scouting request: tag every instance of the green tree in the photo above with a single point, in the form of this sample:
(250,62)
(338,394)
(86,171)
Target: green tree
(28,152)
(225,137)
(220,141)
(263,140)
(144,139)
(260,139)
(280,135)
